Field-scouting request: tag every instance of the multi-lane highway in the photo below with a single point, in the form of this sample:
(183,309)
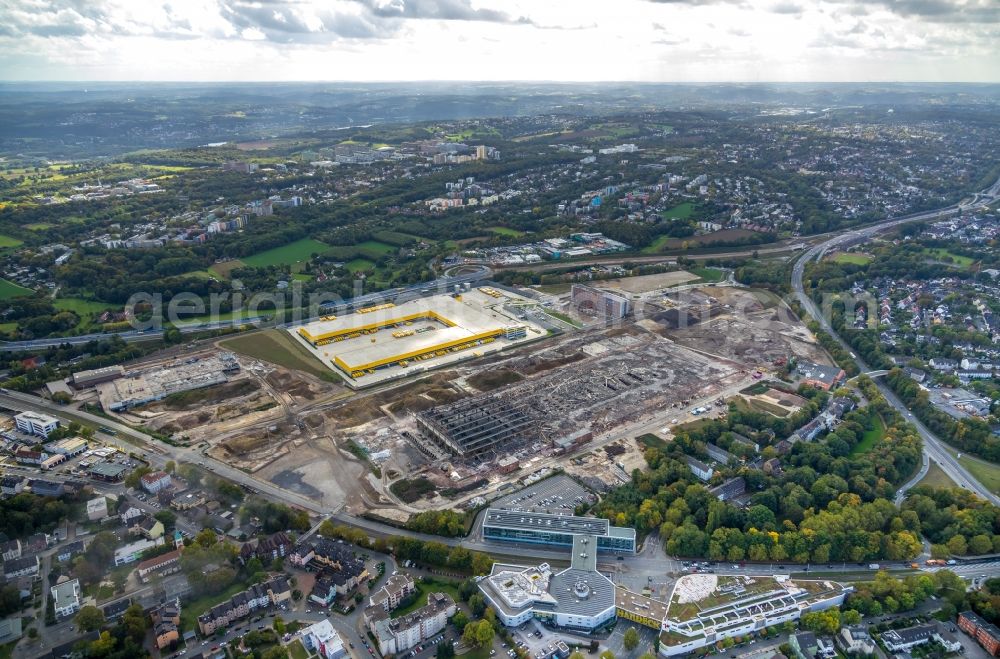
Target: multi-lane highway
(934,449)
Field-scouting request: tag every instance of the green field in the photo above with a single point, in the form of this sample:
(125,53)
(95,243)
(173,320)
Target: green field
(649,440)
(852,258)
(80,306)
(657,245)
(290,254)
(297,650)
(505,231)
(985,472)
(38,226)
(375,247)
(360,265)
(679,212)
(940,254)
(936,478)
(424,589)
(871,437)
(10,290)
(708,274)
(223,270)
(9,241)
(277,347)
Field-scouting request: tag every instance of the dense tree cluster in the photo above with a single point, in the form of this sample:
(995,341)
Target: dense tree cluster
(826,505)
(888,594)
(955,520)
(24,514)
(446,522)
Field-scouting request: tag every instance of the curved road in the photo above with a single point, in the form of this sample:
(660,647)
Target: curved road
(934,448)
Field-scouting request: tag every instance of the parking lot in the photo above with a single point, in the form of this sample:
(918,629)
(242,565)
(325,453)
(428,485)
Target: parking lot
(559,493)
(539,641)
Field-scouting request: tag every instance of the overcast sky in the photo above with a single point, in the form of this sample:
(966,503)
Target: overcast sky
(566,40)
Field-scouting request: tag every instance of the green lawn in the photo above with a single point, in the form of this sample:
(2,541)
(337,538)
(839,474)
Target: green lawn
(360,265)
(297,650)
(941,254)
(871,437)
(985,472)
(477,653)
(375,247)
(225,269)
(657,245)
(81,307)
(679,212)
(38,226)
(649,440)
(10,290)
(9,241)
(708,274)
(936,477)
(853,258)
(278,347)
(505,231)
(424,589)
(297,252)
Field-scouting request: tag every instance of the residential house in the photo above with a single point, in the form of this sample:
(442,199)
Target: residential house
(323,639)
(44,488)
(155,481)
(26,566)
(67,552)
(259,596)
(699,468)
(267,550)
(66,596)
(161,565)
(10,630)
(986,634)
(772,467)
(719,455)
(97,509)
(27,456)
(732,488)
(187,501)
(131,513)
(904,640)
(397,587)
(166,620)
(856,640)
(806,645)
(146,526)
(396,635)
(11,485)
(116,610)
(166,634)
(11,549)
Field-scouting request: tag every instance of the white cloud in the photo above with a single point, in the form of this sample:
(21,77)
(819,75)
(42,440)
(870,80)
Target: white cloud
(573,40)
